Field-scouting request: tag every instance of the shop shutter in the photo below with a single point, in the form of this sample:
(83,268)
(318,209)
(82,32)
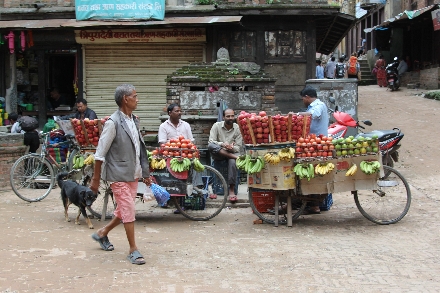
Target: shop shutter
(144,66)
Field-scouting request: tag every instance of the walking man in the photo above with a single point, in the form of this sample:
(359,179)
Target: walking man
(121,159)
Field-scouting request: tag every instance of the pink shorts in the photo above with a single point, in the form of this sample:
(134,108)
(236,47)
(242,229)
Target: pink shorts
(125,196)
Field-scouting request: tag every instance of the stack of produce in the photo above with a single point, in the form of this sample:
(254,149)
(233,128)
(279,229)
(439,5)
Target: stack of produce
(356,146)
(87,131)
(369,167)
(262,129)
(304,171)
(250,165)
(179,147)
(285,154)
(181,151)
(314,146)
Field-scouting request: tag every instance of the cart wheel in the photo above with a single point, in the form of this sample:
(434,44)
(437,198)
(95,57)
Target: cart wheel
(269,217)
(201,205)
(389,203)
(98,204)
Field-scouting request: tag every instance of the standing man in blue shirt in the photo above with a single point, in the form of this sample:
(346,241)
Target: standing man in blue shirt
(319,74)
(319,124)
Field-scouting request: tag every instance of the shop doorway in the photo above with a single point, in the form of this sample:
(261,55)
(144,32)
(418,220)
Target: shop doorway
(62,74)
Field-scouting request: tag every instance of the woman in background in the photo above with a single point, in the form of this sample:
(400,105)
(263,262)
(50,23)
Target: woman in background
(381,73)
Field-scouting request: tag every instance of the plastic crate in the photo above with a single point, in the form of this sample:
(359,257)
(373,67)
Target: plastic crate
(222,167)
(326,203)
(263,200)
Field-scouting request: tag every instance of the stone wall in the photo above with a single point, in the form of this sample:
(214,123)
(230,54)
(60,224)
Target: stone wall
(11,148)
(199,88)
(426,79)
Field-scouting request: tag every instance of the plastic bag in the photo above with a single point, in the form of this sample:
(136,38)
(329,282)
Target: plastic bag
(160,193)
(49,125)
(28,123)
(148,194)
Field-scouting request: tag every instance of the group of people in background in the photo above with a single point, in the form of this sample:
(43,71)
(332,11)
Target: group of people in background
(338,69)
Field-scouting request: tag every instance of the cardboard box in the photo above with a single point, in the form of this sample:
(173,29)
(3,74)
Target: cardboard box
(276,177)
(336,181)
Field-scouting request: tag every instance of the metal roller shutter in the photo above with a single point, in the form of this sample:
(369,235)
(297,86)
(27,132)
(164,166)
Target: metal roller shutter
(144,66)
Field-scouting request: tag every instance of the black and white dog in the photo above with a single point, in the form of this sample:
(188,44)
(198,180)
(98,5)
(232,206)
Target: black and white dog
(81,196)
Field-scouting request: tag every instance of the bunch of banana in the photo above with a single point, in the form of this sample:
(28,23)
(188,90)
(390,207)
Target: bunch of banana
(158,163)
(90,160)
(242,162)
(324,168)
(255,165)
(149,156)
(369,167)
(272,158)
(287,154)
(304,171)
(197,165)
(78,161)
(178,165)
(353,169)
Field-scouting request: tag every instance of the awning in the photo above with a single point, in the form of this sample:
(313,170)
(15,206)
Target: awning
(73,23)
(331,29)
(406,15)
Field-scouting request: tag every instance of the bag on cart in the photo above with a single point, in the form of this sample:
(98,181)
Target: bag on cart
(160,193)
(28,123)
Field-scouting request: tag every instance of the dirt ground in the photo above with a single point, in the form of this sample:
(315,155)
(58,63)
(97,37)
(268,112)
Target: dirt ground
(337,251)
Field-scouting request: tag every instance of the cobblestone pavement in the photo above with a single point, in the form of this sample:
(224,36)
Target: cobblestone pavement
(336,251)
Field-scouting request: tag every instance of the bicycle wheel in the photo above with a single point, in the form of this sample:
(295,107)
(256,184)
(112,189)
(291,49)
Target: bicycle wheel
(32,178)
(268,216)
(201,204)
(98,204)
(389,203)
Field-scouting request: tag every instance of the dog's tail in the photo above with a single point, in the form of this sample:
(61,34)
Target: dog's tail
(60,177)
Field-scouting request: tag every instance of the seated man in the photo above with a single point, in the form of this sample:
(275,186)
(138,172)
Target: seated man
(174,126)
(225,143)
(31,138)
(172,129)
(56,99)
(82,111)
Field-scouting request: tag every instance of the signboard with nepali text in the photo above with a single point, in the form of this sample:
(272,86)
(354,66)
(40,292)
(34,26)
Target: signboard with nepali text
(119,9)
(105,36)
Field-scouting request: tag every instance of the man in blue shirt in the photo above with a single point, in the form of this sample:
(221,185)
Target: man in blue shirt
(319,124)
(318,110)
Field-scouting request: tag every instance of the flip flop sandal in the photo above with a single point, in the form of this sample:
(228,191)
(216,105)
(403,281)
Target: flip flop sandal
(233,199)
(103,241)
(135,258)
(213,196)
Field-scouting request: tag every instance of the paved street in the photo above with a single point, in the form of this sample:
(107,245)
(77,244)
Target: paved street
(336,251)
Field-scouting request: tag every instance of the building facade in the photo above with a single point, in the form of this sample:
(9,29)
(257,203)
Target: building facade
(89,59)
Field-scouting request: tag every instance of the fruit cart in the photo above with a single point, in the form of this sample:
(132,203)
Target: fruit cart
(284,176)
(196,190)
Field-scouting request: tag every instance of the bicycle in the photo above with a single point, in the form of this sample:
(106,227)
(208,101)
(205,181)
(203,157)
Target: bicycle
(194,200)
(33,175)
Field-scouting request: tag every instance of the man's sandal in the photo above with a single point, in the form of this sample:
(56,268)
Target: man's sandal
(136,258)
(103,241)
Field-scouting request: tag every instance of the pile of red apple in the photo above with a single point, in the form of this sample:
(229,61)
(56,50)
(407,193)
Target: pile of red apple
(260,127)
(178,147)
(87,131)
(314,146)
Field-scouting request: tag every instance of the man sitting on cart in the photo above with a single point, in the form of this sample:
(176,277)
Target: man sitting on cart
(225,143)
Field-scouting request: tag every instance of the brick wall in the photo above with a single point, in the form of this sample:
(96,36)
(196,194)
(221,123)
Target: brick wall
(427,78)
(11,148)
